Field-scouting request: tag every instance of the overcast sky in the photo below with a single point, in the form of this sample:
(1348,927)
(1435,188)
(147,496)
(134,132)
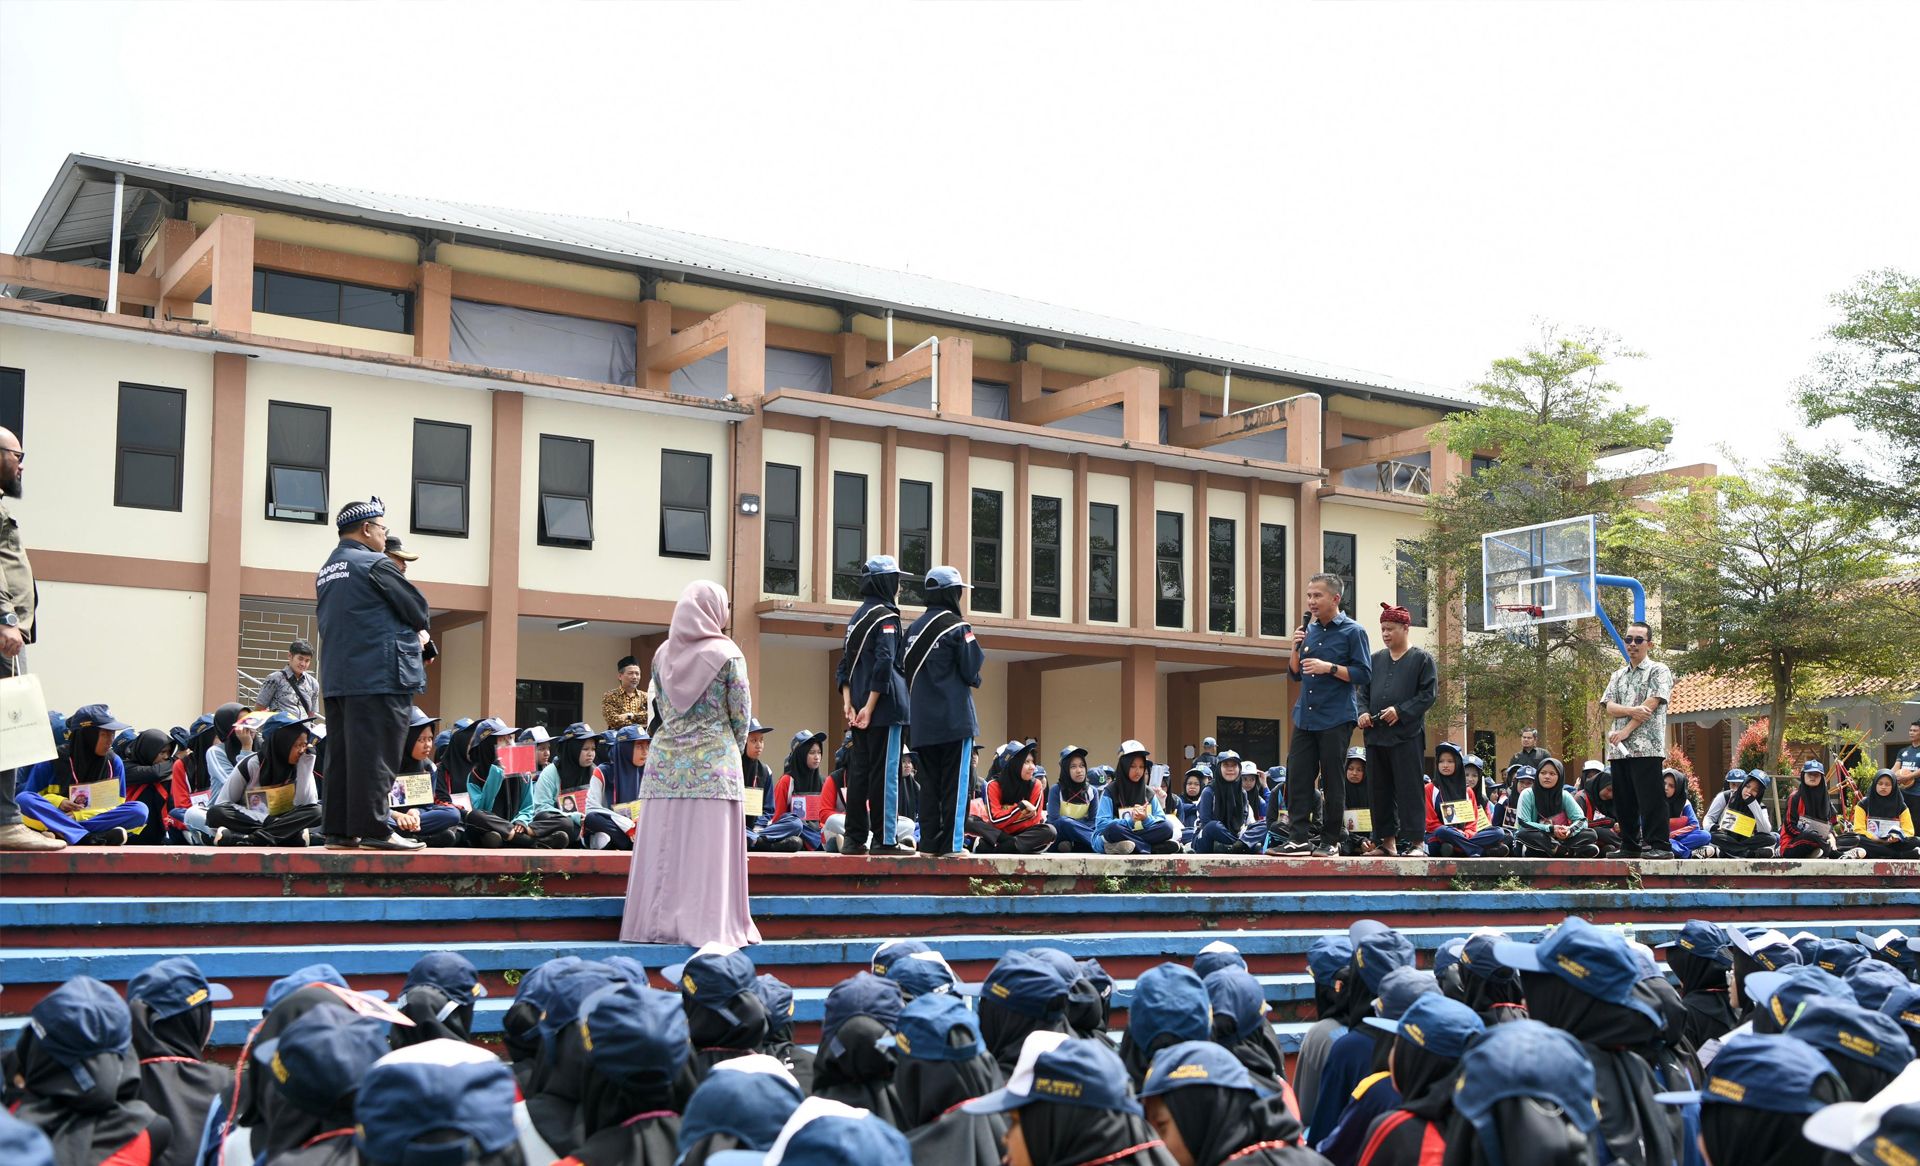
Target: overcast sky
(1401,187)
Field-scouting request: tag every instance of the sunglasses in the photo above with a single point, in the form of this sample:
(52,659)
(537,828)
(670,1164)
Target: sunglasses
(1636,639)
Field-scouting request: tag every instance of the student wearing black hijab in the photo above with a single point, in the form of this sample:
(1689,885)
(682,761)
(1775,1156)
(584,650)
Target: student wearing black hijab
(1223,812)
(315,1067)
(1867,1049)
(149,765)
(742,1105)
(637,1081)
(856,1059)
(433,819)
(1811,822)
(800,803)
(1130,819)
(1701,956)
(1017,801)
(725,1015)
(943,1062)
(1756,1099)
(270,798)
(1240,1024)
(777,998)
(1209,1109)
(438,997)
(1068,1104)
(1596,796)
(1070,804)
(1022,995)
(1169,1005)
(171,1005)
(80,1083)
(1492,990)
(1881,826)
(1738,818)
(1429,1040)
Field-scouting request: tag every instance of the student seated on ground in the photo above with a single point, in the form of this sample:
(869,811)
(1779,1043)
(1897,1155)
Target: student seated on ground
(1254,786)
(1810,825)
(1457,825)
(1016,801)
(192,787)
(148,760)
(270,799)
(1224,812)
(1070,804)
(1683,825)
(79,796)
(1881,826)
(171,1007)
(1738,819)
(1276,809)
(502,806)
(1130,820)
(613,789)
(801,799)
(422,803)
(1187,807)
(559,796)
(1551,822)
(756,775)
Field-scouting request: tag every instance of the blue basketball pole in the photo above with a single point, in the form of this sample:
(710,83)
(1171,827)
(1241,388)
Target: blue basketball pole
(1639,606)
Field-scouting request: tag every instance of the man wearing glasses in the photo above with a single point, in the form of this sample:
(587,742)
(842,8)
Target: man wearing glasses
(1636,699)
(374,624)
(16,631)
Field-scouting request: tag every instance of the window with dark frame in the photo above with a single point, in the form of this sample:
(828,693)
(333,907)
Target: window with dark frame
(916,539)
(328,301)
(1255,739)
(547,702)
(686,504)
(1043,597)
(1103,562)
(1337,558)
(988,506)
(149,449)
(566,492)
(781,516)
(442,469)
(298,441)
(1409,581)
(1222,543)
(1170,547)
(13,402)
(1276,618)
(849,533)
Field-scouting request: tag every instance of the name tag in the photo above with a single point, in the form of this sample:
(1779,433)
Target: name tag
(464,802)
(1741,824)
(1359,821)
(412,789)
(629,810)
(1456,813)
(1075,810)
(94,795)
(203,799)
(753,801)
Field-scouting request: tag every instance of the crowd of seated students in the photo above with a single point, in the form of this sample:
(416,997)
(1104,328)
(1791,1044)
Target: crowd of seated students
(1580,1048)
(239,777)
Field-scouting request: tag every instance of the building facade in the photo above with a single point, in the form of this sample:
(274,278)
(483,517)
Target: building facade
(571,419)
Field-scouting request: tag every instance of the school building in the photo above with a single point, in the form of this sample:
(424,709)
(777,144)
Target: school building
(571,418)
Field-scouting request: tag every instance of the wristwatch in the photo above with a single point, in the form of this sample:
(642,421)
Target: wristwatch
(9,619)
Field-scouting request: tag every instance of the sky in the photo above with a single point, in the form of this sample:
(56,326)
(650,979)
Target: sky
(1407,188)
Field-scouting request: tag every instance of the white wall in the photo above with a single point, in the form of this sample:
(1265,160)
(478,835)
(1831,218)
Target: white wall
(138,651)
(578,657)
(1375,534)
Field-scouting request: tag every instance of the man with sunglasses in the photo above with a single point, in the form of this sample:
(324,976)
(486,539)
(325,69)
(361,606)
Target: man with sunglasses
(1636,699)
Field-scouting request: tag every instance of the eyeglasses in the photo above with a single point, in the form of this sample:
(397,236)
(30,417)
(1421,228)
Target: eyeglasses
(1636,639)
(21,454)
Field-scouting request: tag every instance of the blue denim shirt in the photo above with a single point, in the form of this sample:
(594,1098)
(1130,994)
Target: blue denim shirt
(1327,701)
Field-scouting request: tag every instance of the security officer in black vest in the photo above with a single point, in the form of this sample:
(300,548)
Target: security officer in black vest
(873,695)
(373,624)
(942,666)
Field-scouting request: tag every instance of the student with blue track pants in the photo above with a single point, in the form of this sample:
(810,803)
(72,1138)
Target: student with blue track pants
(1070,804)
(79,795)
(1259,797)
(1683,825)
(436,823)
(1223,812)
(941,669)
(1187,807)
(613,788)
(873,697)
(1130,820)
(1458,826)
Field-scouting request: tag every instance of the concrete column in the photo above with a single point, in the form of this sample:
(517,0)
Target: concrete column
(1024,716)
(1139,696)
(1142,547)
(500,641)
(433,313)
(956,528)
(956,377)
(220,655)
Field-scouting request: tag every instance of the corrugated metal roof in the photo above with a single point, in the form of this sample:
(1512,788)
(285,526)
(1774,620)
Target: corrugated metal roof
(725,261)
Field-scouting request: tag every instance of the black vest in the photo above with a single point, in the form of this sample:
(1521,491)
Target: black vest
(370,650)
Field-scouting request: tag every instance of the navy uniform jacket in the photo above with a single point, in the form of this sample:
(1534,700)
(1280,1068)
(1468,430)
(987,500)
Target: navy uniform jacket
(370,619)
(943,691)
(1326,701)
(877,669)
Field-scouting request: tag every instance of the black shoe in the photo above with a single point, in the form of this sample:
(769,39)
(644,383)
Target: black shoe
(557,840)
(853,850)
(1325,850)
(895,851)
(342,842)
(111,836)
(395,841)
(1294,850)
(1586,850)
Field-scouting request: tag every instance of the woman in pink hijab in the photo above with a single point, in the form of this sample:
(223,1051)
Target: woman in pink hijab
(689,878)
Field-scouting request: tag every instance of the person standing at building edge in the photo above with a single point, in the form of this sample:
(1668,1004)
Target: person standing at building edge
(1330,656)
(1401,686)
(374,624)
(1636,698)
(17,601)
(626,702)
(873,695)
(293,690)
(942,667)
(1530,754)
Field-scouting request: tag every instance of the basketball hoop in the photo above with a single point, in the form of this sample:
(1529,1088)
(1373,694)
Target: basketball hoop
(1532,609)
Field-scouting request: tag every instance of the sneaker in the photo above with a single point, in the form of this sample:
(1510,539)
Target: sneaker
(1124,847)
(1293,850)
(402,842)
(1587,850)
(1324,850)
(18,836)
(1418,851)
(342,842)
(1856,852)
(224,837)
(111,836)
(491,840)
(894,851)
(555,840)
(1240,848)
(855,850)
(1707,852)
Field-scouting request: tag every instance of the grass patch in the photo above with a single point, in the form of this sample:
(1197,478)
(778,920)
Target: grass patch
(1470,882)
(1001,887)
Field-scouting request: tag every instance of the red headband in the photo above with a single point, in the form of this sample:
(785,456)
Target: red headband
(1392,614)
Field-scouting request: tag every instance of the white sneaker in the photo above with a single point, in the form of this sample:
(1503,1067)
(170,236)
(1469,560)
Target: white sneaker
(1856,852)
(1707,852)
(1126,847)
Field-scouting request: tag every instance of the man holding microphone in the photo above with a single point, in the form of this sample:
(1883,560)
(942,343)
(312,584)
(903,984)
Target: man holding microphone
(1330,657)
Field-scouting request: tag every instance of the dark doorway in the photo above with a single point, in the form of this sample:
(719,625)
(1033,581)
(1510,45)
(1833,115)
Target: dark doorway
(553,703)
(1253,739)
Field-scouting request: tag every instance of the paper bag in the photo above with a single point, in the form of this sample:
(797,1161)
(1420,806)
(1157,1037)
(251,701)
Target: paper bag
(26,738)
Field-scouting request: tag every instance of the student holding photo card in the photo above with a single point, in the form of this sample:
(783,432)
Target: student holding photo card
(270,798)
(613,793)
(1738,818)
(1882,826)
(422,801)
(557,804)
(1812,818)
(79,796)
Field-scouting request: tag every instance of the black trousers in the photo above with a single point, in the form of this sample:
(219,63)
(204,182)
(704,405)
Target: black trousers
(873,785)
(1395,794)
(280,830)
(943,795)
(1321,753)
(364,734)
(1640,797)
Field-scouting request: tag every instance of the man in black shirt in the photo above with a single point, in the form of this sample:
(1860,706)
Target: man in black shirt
(1531,754)
(1394,700)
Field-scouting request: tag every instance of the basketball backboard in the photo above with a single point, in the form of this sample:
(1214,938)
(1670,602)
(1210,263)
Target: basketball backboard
(1538,574)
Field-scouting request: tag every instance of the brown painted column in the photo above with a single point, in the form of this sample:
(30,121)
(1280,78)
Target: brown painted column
(1202,557)
(1141,547)
(233,274)
(746,381)
(1020,538)
(500,639)
(956,376)
(642,649)
(890,491)
(822,584)
(1024,716)
(1449,614)
(433,313)
(1183,718)
(956,534)
(220,655)
(1139,696)
(1250,562)
(1309,545)
(1081,527)
(655,327)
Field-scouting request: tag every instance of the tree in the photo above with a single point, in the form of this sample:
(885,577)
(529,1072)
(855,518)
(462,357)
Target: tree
(1871,378)
(1550,415)
(1769,580)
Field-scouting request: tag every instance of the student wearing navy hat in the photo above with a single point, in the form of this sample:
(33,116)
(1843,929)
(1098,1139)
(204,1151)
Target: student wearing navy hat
(725,1015)
(1524,1096)
(923,973)
(1071,803)
(1701,956)
(1086,1012)
(636,1082)
(1169,1005)
(191,786)
(1067,1101)
(1022,995)
(170,1005)
(1810,825)
(148,758)
(1867,1048)
(79,795)
(1457,824)
(873,698)
(520,1027)
(1240,1024)
(855,1061)
(1330,963)
(1738,818)
(741,1106)
(271,797)
(755,775)
(613,786)
(442,1102)
(1130,819)
(1375,1093)
(1551,822)
(1429,1039)
(557,803)
(438,997)
(78,1081)
(1881,826)
(777,1000)
(1883,1131)
(943,1061)
(1209,1109)
(1216,955)
(1757,1096)
(1017,800)
(1377,951)
(427,814)
(1839,956)
(1489,987)
(803,799)
(1224,812)
(316,1066)
(941,663)
(1872,982)
(374,623)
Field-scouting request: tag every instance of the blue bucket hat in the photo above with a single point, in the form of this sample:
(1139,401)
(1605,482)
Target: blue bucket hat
(300,978)
(174,985)
(939,1027)
(1056,1068)
(1092,973)
(414,1096)
(861,994)
(1872,982)
(1441,1026)
(322,1056)
(636,1035)
(712,977)
(752,1107)
(82,1018)
(776,997)
(1169,1000)
(1884,1131)
(894,949)
(417,718)
(1773,1072)
(565,994)
(1707,940)
(1327,956)
(355,513)
(1784,993)
(1856,1033)
(440,740)
(1028,986)
(924,973)
(448,971)
(1216,955)
(1812,767)
(630,733)
(1060,960)
(1402,986)
(1234,993)
(1765,947)
(1904,1007)
(1377,950)
(1523,1058)
(1448,954)
(1199,1062)
(1592,960)
(942,578)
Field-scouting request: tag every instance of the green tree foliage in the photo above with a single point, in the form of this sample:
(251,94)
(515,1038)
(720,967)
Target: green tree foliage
(1871,377)
(1550,415)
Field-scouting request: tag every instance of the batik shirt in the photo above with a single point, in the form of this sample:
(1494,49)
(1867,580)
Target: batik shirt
(697,752)
(1633,684)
